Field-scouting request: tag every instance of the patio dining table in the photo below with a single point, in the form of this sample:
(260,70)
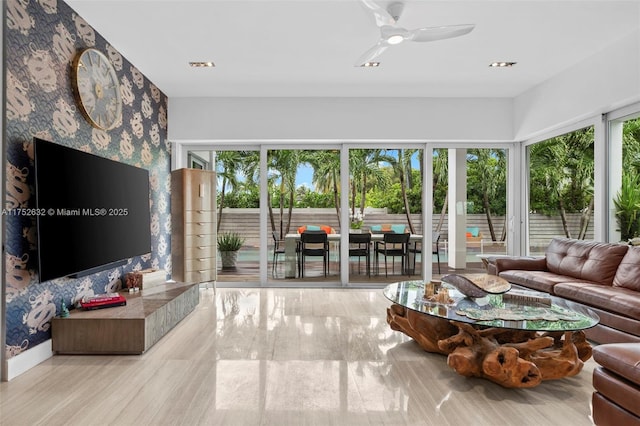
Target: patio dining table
(291,241)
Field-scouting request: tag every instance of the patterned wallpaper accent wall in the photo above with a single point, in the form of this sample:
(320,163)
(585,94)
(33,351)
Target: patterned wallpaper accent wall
(42,38)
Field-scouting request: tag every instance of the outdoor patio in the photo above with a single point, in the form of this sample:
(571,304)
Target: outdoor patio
(247,270)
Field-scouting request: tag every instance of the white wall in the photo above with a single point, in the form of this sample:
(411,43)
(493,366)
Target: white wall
(341,118)
(608,80)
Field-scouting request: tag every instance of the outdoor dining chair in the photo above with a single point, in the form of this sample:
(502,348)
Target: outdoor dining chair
(313,244)
(435,249)
(393,245)
(278,249)
(360,246)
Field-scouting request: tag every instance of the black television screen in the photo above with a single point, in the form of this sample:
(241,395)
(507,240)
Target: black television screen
(91,212)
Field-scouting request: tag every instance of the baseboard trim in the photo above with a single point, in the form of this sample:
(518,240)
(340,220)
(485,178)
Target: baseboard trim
(28,359)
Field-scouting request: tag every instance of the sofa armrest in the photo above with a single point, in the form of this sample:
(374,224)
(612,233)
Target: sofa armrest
(620,358)
(520,263)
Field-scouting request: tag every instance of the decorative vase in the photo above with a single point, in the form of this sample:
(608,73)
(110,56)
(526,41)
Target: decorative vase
(356,230)
(228,259)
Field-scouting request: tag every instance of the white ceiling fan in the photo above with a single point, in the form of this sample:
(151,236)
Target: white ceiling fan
(392,34)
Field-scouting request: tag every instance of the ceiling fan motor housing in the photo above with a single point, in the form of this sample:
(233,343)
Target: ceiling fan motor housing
(395,10)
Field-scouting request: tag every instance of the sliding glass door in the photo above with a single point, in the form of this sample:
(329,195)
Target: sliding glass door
(303,194)
(268,195)
(238,210)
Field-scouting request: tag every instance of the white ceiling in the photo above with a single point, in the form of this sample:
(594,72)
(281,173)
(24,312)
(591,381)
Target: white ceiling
(309,47)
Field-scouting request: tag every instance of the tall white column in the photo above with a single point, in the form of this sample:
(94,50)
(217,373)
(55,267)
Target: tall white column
(457,208)
(615,180)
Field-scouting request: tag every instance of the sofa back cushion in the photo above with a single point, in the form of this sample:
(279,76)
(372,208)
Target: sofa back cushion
(628,274)
(585,260)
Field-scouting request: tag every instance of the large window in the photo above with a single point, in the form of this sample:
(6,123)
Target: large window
(625,179)
(561,182)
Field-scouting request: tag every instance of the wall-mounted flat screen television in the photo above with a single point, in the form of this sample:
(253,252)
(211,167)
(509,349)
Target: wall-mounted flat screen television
(92,213)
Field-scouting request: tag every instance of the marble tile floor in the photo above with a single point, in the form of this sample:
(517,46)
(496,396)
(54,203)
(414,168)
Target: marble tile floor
(282,357)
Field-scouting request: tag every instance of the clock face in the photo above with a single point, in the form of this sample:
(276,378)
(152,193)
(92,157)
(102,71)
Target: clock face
(97,89)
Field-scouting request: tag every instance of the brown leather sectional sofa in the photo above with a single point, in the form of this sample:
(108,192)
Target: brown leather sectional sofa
(602,276)
(606,278)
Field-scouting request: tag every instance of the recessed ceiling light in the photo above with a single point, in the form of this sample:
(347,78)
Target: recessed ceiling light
(202,64)
(502,64)
(370,64)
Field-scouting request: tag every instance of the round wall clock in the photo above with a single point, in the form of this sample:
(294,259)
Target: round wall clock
(96,87)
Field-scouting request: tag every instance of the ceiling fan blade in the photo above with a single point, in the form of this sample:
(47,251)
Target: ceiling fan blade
(439,33)
(383,17)
(372,53)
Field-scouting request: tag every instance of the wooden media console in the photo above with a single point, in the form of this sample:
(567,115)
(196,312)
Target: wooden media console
(132,329)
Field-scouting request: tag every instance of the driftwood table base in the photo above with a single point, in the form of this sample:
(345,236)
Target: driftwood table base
(511,358)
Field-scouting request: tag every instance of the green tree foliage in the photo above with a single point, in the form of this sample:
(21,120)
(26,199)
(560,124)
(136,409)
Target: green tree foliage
(379,178)
(243,198)
(367,172)
(391,196)
(627,200)
(561,177)
(230,165)
(487,181)
(627,204)
(487,184)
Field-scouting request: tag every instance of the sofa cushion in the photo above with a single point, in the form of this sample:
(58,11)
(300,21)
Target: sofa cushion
(386,227)
(537,280)
(613,299)
(621,358)
(519,263)
(628,274)
(474,231)
(585,260)
(399,229)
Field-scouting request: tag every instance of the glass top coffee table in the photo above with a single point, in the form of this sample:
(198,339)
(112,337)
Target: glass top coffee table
(516,339)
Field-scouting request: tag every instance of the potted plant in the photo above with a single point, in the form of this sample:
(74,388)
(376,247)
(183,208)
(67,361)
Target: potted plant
(356,221)
(228,245)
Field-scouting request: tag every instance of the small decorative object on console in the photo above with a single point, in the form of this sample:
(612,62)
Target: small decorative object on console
(64,311)
(133,280)
(103,301)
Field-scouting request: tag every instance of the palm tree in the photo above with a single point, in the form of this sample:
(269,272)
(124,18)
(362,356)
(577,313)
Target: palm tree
(365,170)
(283,165)
(489,166)
(627,200)
(563,169)
(440,178)
(227,166)
(326,174)
(403,170)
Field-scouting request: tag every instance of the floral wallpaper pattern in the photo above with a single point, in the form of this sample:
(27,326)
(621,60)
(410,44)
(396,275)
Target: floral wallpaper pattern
(42,38)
